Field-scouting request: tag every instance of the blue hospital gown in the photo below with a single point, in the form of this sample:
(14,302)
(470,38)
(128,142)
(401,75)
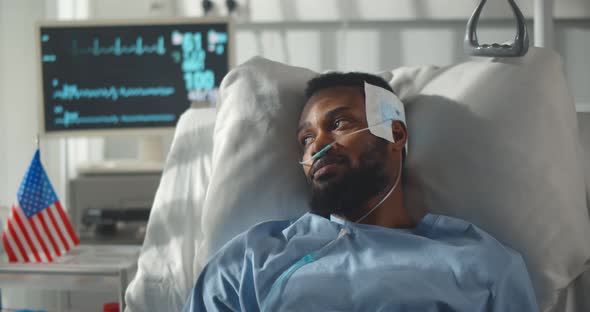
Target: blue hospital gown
(319,264)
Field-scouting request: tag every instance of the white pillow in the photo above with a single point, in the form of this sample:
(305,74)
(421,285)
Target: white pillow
(166,269)
(496,143)
(256,175)
(492,142)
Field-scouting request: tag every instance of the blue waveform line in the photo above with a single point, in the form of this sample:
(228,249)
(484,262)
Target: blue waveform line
(147,118)
(70,92)
(74,118)
(48,58)
(118,49)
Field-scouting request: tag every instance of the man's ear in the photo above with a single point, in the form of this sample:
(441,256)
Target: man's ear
(399,134)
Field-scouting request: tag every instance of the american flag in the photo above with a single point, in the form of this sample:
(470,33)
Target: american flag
(38,229)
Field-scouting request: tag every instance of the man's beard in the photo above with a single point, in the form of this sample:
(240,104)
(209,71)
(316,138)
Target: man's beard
(355,187)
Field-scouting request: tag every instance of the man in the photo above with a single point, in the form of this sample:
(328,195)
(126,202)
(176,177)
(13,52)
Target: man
(359,249)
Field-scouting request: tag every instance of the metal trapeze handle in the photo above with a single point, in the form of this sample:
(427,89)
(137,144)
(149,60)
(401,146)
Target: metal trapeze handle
(518,48)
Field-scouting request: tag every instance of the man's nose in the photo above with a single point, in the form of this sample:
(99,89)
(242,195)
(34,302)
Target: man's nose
(321,140)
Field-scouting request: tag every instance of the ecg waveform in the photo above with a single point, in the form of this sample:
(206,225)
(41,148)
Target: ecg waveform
(73,118)
(117,48)
(69,92)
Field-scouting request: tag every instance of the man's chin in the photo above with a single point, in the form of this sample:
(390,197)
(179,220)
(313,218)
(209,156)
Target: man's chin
(326,193)
(327,181)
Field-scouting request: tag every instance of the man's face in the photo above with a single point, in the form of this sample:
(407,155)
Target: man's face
(354,170)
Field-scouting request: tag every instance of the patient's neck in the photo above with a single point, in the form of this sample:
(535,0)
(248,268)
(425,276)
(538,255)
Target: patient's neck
(392,213)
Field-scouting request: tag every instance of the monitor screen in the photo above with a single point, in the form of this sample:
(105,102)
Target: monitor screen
(129,76)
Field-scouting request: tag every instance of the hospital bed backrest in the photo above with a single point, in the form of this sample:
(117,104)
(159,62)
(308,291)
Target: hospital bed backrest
(584,126)
(494,142)
(166,267)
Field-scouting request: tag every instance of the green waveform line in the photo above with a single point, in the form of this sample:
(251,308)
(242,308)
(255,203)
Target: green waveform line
(117,48)
(69,92)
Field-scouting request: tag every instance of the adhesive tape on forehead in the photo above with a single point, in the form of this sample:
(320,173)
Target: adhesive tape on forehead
(382,108)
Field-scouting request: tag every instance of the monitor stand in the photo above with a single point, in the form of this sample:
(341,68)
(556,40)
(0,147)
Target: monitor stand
(150,160)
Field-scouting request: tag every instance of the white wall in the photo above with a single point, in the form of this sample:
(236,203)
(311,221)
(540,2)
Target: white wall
(373,35)
(368,35)
(19,102)
(18,111)
(3,112)
(362,46)
(376,10)
(366,42)
(18,115)
(18,90)
(573,41)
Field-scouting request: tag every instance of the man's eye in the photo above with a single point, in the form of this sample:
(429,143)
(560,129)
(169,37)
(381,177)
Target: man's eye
(340,123)
(306,140)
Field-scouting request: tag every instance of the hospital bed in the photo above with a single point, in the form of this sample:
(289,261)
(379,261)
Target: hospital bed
(492,141)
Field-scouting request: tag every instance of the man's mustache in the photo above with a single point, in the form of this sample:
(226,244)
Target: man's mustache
(328,159)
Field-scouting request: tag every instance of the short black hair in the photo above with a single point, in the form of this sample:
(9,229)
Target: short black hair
(340,79)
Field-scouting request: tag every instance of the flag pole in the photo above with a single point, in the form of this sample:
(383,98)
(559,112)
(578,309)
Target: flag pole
(38,144)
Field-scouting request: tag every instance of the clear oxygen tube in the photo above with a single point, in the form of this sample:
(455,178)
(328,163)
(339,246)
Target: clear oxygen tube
(279,284)
(328,147)
(399,174)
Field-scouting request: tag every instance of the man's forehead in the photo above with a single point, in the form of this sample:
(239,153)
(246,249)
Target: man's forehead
(340,95)
(337,92)
(329,102)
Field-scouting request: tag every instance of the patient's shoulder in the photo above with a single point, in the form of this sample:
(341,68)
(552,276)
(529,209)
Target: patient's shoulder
(255,234)
(472,242)
(269,227)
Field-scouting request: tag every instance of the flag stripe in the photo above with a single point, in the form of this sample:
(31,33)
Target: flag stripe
(52,231)
(28,227)
(25,234)
(17,241)
(28,233)
(57,229)
(21,238)
(14,248)
(39,240)
(8,248)
(42,238)
(39,217)
(62,225)
(66,221)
